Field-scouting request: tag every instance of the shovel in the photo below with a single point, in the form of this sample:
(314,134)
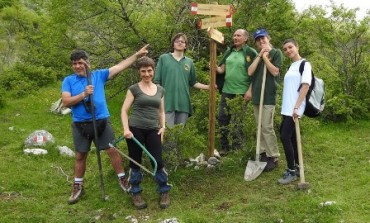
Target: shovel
(255,168)
(302,183)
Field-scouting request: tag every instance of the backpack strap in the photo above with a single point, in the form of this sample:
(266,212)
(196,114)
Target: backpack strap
(301,69)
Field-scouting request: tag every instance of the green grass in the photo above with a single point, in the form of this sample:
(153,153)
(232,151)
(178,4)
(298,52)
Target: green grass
(36,188)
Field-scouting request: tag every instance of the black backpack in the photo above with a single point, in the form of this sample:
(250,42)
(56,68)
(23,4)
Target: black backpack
(315,98)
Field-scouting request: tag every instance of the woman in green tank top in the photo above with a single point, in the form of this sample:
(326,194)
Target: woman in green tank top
(147,124)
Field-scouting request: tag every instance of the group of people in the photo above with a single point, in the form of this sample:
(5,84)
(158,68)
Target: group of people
(243,69)
(161,98)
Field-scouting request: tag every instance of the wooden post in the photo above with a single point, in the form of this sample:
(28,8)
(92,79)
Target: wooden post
(212,98)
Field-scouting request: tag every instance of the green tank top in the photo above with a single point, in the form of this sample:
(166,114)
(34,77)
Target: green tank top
(145,108)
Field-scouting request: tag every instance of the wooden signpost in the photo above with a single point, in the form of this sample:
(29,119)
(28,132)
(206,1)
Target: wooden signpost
(222,17)
(214,22)
(211,9)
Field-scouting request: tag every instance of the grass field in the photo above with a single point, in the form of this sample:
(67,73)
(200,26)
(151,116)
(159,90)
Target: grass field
(36,188)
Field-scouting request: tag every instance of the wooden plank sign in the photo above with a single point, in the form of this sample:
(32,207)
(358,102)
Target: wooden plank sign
(211,9)
(215,35)
(217,21)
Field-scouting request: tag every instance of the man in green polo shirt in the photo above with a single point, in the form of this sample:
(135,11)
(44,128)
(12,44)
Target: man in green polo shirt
(176,73)
(271,58)
(234,66)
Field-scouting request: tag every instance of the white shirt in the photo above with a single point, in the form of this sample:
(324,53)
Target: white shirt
(292,81)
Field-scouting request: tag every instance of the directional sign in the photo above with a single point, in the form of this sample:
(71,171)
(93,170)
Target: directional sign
(211,9)
(218,21)
(216,35)
(214,22)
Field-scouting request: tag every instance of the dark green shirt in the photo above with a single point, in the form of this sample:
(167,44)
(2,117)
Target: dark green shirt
(176,77)
(271,87)
(145,108)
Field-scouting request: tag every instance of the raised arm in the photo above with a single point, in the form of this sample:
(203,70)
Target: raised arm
(127,62)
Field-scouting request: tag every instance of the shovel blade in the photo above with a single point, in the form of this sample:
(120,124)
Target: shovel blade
(253,170)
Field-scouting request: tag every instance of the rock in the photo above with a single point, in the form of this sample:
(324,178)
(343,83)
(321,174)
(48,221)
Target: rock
(200,158)
(39,138)
(327,203)
(213,161)
(35,151)
(203,163)
(64,150)
(132,219)
(170,220)
(216,154)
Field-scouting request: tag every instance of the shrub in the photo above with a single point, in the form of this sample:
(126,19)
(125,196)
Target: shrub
(23,79)
(343,108)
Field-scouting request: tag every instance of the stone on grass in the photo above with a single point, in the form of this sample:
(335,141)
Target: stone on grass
(213,160)
(327,203)
(39,138)
(170,220)
(36,151)
(64,150)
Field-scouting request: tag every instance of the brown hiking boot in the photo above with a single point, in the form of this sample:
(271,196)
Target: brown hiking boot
(272,163)
(123,183)
(165,200)
(138,201)
(77,192)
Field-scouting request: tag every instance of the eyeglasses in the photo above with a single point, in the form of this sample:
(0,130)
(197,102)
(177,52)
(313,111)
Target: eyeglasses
(180,41)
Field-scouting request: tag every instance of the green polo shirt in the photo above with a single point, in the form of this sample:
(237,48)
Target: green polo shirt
(271,85)
(236,62)
(176,77)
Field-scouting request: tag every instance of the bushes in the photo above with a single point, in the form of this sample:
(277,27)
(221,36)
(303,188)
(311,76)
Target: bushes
(26,78)
(344,108)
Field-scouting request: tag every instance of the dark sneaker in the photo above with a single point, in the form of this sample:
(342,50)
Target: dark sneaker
(77,192)
(138,201)
(272,163)
(123,183)
(165,200)
(288,177)
(223,152)
(297,170)
(263,157)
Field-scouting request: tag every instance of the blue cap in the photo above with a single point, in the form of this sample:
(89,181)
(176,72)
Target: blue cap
(259,33)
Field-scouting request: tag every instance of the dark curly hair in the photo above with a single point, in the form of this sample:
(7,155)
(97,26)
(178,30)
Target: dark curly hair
(79,54)
(145,62)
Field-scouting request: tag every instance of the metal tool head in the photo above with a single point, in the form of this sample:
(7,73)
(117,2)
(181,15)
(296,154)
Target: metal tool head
(303,185)
(253,170)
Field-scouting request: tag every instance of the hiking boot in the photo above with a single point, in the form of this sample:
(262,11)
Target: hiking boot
(138,201)
(77,192)
(123,183)
(263,157)
(165,200)
(288,177)
(272,163)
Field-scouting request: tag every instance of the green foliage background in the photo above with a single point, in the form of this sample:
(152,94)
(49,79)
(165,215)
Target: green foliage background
(36,39)
(38,36)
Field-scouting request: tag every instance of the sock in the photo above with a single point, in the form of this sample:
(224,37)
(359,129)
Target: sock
(79,180)
(121,174)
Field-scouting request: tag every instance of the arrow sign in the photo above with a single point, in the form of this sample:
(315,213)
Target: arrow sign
(216,35)
(217,21)
(211,9)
